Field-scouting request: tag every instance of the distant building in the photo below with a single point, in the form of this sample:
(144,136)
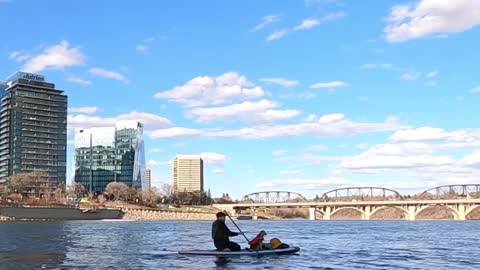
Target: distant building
(107,154)
(187,174)
(33,128)
(148,175)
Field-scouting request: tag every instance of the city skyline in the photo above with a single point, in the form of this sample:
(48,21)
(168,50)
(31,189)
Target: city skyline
(302,96)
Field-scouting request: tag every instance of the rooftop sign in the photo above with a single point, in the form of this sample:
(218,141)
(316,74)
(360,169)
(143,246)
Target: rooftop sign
(26,76)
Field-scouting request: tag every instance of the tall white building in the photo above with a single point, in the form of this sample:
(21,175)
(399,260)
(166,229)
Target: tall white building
(187,174)
(148,175)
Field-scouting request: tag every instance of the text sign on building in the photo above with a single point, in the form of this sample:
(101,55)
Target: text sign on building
(31,77)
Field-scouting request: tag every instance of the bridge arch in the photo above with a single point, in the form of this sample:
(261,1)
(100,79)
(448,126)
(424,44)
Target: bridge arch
(452,192)
(425,207)
(403,210)
(274,197)
(469,211)
(347,207)
(361,194)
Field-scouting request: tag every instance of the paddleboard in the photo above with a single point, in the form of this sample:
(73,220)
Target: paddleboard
(289,250)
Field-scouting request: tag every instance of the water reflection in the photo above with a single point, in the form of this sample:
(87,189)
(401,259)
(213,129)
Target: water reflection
(28,249)
(222,262)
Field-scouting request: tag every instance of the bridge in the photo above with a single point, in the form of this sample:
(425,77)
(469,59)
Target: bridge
(460,200)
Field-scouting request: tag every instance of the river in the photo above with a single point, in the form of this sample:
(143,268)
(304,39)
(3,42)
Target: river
(325,245)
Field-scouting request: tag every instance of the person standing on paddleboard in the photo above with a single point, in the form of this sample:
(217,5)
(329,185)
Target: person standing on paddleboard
(221,234)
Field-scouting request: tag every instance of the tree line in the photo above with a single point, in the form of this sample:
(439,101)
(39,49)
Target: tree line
(34,187)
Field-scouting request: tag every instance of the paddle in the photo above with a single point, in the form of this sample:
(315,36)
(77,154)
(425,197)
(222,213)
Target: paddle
(231,219)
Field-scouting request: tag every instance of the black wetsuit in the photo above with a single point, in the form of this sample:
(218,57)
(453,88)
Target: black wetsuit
(221,234)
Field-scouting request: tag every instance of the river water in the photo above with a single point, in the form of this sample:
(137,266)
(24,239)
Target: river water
(325,245)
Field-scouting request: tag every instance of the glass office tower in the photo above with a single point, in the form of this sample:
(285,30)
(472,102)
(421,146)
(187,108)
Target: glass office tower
(107,154)
(33,128)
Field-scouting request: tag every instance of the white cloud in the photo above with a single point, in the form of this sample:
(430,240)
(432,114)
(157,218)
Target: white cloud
(362,146)
(266,21)
(279,152)
(143,47)
(19,56)
(175,133)
(153,163)
(206,90)
(473,160)
(251,112)
(58,56)
(431,17)
(290,172)
(326,183)
(217,171)
(281,81)
(307,24)
(430,134)
(475,89)
(317,148)
(277,34)
(155,150)
(432,74)
(331,118)
(78,81)
(379,66)
(304,95)
(366,161)
(150,121)
(335,127)
(430,84)
(84,110)
(214,158)
(107,74)
(308,159)
(311,23)
(333,85)
(410,76)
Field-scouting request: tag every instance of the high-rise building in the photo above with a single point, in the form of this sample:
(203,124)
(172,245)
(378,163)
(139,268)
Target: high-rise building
(187,174)
(107,154)
(33,128)
(148,175)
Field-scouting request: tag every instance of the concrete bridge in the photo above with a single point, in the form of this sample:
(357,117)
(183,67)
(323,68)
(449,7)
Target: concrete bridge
(461,200)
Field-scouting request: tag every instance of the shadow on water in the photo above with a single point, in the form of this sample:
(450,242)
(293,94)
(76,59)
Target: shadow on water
(222,262)
(31,260)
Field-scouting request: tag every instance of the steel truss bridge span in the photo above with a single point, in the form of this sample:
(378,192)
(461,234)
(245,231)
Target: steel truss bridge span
(470,191)
(361,194)
(273,197)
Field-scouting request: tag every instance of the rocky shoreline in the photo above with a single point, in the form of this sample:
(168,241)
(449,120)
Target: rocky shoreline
(142,214)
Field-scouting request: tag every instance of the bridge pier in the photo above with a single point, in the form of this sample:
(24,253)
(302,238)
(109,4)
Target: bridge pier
(327,213)
(254,216)
(411,212)
(311,212)
(366,213)
(461,212)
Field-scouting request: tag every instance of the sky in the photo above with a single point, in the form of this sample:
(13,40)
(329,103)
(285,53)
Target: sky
(300,95)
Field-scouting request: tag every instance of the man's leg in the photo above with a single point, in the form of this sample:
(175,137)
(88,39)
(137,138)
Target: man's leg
(234,246)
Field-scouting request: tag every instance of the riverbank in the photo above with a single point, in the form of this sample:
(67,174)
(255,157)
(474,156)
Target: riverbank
(147,214)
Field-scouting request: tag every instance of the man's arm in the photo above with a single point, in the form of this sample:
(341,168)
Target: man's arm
(230,233)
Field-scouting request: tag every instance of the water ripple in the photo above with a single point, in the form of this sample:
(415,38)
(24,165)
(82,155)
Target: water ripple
(154,245)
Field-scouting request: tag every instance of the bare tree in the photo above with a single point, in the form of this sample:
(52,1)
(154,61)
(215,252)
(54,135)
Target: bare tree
(150,197)
(76,190)
(34,183)
(59,195)
(167,190)
(118,190)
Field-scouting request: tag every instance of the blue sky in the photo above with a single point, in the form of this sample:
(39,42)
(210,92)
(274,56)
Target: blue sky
(300,95)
